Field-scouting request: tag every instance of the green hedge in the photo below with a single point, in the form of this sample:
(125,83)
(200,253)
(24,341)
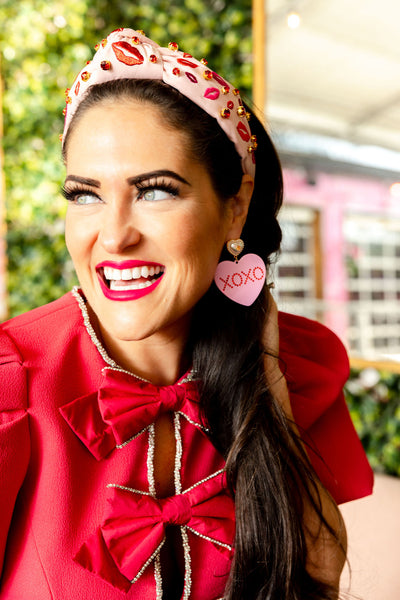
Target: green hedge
(373,398)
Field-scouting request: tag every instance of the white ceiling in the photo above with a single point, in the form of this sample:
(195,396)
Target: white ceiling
(338,73)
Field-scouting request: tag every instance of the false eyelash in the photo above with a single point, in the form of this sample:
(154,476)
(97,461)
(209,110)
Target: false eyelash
(163,185)
(71,194)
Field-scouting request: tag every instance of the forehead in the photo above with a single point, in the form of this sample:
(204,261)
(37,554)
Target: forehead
(126,126)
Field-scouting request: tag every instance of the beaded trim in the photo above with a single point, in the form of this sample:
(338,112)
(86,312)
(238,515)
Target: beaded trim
(150,461)
(178,454)
(192,487)
(194,423)
(128,489)
(188,564)
(209,539)
(158,577)
(148,562)
(89,328)
(178,490)
(134,437)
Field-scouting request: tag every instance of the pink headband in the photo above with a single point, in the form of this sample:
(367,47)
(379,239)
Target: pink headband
(128,54)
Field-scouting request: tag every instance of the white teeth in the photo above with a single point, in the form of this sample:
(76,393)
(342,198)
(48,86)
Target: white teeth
(131,286)
(129,274)
(126,274)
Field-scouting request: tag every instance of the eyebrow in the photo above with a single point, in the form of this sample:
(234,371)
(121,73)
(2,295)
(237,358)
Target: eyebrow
(83,180)
(131,180)
(152,174)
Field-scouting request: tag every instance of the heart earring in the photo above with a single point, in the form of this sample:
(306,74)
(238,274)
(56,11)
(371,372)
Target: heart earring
(241,280)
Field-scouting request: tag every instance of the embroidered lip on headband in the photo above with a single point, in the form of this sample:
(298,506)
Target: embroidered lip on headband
(129,54)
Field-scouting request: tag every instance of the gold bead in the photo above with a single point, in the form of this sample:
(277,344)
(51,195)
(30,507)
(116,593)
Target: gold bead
(204,61)
(241,111)
(225,113)
(225,89)
(236,92)
(69,100)
(85,76)
(153,58)
(105,65)
(173,46)
(248,116)
(60,137)
(140,31)
(135,40)
(104,43)
(97,47)
(207,74)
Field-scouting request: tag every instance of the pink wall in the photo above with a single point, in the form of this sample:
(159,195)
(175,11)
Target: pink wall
(335,196)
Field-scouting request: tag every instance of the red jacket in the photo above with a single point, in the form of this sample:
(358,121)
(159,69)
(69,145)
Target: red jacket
(53,489)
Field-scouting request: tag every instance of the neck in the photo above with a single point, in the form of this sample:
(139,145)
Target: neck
(160,359)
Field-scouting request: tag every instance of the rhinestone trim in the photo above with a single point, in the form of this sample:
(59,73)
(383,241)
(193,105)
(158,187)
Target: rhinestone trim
(204,480)
(178,454)
(148,562)
(89,328)
(92,334)
(128,489)
(158,577)
(150,461)
(188,564)
(209,539)
(199,425)
(134,437)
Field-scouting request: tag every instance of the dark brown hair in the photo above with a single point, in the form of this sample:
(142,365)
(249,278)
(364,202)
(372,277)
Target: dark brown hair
(266,464)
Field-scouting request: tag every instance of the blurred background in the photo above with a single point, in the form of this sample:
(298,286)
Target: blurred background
(326,75)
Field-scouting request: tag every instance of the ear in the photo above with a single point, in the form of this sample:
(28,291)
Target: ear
(239,207)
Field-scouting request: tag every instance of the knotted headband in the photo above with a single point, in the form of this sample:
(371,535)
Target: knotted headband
(129,54)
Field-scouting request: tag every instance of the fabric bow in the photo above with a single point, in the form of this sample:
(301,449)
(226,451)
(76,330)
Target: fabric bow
(134,528)
(123,407)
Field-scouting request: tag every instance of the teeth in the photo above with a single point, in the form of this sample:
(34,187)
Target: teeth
(135,273)
(131,286)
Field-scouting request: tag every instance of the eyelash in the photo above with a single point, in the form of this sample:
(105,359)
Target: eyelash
(165,186)
(71,194)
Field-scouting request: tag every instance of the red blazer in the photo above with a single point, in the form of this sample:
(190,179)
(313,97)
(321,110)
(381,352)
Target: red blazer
(52,488)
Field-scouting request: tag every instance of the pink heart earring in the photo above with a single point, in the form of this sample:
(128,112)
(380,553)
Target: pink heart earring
(241,280)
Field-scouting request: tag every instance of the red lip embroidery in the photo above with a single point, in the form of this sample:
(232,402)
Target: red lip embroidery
(126,54)
(187,63)
(244,134)
(211,93)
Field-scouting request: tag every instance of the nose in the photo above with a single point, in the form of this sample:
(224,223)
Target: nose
(118,230)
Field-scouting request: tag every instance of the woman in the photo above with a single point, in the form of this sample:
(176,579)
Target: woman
(148,444)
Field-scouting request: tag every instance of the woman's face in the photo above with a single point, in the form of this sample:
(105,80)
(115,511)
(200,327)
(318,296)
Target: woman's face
(144,225)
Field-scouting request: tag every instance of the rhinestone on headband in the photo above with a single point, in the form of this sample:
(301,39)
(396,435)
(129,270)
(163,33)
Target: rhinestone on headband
(130,54)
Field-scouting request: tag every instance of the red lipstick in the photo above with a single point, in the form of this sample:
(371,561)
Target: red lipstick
(121,295)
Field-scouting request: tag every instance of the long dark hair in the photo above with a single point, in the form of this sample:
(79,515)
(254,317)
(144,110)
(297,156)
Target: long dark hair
(266,464)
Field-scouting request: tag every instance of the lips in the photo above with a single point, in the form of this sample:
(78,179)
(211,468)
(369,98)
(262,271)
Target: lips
(211,93)
(127,54)
(128,280)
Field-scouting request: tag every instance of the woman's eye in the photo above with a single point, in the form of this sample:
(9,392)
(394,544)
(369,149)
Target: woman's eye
(84,199)
(154,195)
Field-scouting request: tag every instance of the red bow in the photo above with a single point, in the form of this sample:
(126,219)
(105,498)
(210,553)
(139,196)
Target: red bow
(123,407)
(134,526)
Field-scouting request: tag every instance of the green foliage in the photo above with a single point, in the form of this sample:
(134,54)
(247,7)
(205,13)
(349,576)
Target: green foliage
(374,401)
(43,45)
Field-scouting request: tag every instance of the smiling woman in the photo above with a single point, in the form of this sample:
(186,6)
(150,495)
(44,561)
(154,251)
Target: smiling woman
(149,446)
